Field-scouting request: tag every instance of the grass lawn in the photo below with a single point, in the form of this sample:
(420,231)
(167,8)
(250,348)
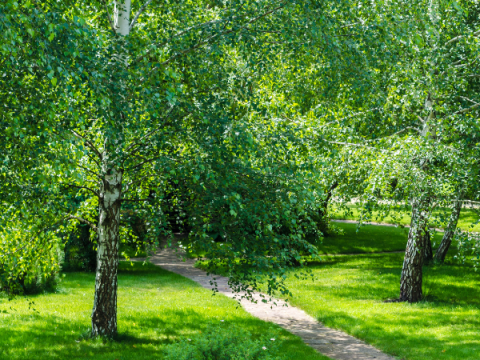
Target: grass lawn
(155,308)
(369,239)
(467,217)
(348,294)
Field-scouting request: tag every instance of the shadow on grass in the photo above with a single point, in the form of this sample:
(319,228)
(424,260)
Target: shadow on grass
(57,339)
(377,277)
(409,335)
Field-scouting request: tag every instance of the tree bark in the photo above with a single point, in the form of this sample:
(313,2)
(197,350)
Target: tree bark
(428,251)
(323,211)
(449,232)
(411,280)
(104,314)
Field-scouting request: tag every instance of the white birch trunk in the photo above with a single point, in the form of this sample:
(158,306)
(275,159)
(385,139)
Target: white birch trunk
(104,314)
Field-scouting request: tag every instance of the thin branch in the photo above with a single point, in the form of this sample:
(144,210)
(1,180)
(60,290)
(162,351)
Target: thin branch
(465,98)
(149,161)
(460,37)
(127,186)
(88,170)
(150,133)
(208,40)
(467,109)
(92,225)
(350,25)
(142,9)
(137,200)
(82,187)
(89,144)
(355,145)
(183,32)
(421,120)
(396,133)
(108,16)
(349,116)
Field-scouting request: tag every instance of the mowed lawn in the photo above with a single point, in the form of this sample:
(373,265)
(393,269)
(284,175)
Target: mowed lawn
(348,293)
(468,217)
(369,239)
(155,308)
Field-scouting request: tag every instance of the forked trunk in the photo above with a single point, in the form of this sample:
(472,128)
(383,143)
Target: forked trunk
(104,314)
(449,232)
(411,280)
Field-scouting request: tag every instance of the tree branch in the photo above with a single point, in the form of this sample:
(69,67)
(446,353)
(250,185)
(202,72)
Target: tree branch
(88,170)
(137,200)
(150,133)
(209,39)
(82,187)
(148,161)
(180,33)
(112,27)
(142,9)
(396,133)
(89,144)
(467,109)
(83,221)
(220,34)
(460,37)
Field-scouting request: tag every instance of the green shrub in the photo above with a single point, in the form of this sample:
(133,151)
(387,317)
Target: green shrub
(226,342)
(29,261)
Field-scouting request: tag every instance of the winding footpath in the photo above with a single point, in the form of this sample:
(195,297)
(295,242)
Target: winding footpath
(332,343)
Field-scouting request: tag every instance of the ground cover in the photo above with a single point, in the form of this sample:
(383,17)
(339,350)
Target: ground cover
(155,308)
(348,293)
(369,239)
(468,216)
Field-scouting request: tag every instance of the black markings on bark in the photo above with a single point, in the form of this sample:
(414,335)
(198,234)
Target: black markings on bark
(411,280)
(104,314)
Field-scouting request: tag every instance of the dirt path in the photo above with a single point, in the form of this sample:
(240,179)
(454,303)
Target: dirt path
(332,343)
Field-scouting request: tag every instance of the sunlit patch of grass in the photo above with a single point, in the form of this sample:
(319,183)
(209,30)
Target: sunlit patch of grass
(348,293)
(369,239)
(467,221)
(155,308)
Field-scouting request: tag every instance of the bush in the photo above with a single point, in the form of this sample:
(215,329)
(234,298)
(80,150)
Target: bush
(29,262)
(226,343)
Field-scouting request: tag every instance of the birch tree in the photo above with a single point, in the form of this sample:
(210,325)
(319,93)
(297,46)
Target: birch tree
(117,99)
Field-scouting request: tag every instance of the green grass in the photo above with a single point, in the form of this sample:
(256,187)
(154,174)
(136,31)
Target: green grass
(155,308)
(369,239)
(468,217)
(348,294)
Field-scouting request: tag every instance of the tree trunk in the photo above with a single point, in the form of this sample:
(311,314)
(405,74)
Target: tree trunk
(104,314)
(449,232)
(323,223)
(411,280)
(428,252)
